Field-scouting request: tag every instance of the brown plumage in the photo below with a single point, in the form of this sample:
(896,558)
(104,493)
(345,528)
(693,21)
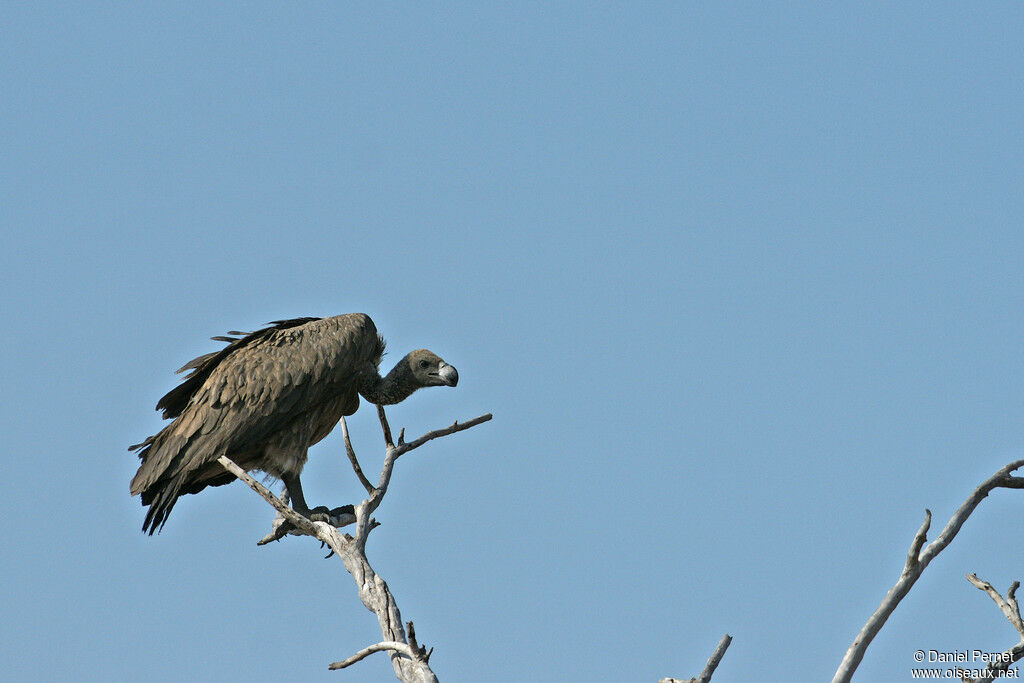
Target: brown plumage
(266,398)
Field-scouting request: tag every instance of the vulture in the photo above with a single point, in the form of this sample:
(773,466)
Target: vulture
(264,399)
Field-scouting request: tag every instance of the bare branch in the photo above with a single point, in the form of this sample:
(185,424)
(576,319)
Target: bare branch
(352,458)
(338,517)
(346,515)
(716,657)
(410,631)
(1011,598)
(917,560)
(709,668)
(1008,606)
(393,452)
(1011,610)
(409,659)
(419,651)
(286,512)
(367,651)
(429,436)
(914,555)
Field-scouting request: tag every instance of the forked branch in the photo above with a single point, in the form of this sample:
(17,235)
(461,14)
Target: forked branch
(918,557)
(1011,610)
(409,659)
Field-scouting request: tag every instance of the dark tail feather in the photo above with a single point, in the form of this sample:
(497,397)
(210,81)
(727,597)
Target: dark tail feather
(160,498)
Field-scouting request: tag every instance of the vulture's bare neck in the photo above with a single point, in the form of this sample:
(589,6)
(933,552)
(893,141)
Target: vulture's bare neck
(397,386)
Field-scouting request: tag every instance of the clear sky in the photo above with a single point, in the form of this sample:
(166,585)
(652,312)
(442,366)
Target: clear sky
(741,283)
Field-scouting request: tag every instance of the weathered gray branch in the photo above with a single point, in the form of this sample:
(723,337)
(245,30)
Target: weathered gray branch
(394,451)
(281,527)
(1011,609)
(918,557)
(409,659)
(709,668)
(367,651)
(298,521)
(353,459)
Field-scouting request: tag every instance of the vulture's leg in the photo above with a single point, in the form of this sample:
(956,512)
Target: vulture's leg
(294,486)
(321,513)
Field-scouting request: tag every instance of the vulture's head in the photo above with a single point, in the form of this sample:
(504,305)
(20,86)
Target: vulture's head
(427,369)
(419,369)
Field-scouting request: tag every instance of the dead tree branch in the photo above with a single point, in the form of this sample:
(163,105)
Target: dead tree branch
(367,651)
(352,458)
(1011,609)
(709,668)
(918,557)
(409,659)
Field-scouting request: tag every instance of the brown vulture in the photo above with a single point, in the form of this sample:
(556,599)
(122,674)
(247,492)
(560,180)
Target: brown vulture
(265,399)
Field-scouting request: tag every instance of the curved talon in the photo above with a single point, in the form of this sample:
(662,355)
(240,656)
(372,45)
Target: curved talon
(321,513)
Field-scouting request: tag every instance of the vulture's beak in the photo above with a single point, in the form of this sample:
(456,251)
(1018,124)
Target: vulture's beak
(448,374)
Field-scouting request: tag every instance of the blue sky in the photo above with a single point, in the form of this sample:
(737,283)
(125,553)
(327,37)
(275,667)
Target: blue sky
(741,284)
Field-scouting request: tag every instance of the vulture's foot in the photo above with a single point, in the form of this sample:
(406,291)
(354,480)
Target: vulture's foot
(336,517)
(321,513)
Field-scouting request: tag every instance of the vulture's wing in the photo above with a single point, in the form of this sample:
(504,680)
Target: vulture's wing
(178,398)
(256,387)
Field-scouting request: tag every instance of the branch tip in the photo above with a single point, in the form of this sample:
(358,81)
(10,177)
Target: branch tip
(716,658)
(367,651)
(709,668)
(918,559)
(914,554)
(1011,610)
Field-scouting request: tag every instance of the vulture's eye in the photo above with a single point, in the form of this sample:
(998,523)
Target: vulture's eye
(424,364)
